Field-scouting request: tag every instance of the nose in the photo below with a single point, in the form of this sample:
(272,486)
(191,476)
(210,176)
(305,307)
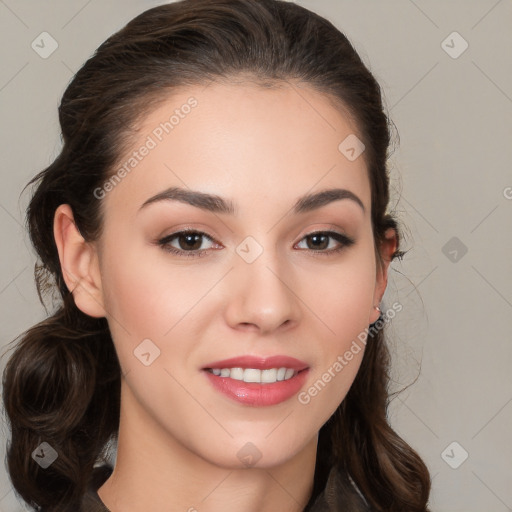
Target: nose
(262,296)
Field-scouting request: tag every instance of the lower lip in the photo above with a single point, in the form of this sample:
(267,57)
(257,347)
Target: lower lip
(258,395)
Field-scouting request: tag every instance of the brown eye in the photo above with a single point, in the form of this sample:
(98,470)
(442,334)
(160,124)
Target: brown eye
(186,243)
(321,240)
(190,241)
(318,241)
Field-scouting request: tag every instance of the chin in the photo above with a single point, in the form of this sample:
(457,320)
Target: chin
(256,451)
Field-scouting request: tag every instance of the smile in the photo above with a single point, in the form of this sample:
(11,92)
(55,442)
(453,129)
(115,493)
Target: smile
(255,375)
(257,381)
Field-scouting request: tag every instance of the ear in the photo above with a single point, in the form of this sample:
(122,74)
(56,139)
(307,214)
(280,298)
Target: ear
(79,263)
(387,248)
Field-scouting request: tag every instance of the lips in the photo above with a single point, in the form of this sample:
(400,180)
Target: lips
(262,392)
(260,363)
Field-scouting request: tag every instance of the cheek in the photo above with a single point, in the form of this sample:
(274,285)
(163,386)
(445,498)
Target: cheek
(148,298)
(131,292)
(147,295)
(343,298)
(140,303)
(342,294)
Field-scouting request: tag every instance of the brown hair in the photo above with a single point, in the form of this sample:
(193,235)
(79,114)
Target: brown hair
(62,383)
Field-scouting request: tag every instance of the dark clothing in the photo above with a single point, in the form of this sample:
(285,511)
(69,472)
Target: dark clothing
(91,501)
(329,500)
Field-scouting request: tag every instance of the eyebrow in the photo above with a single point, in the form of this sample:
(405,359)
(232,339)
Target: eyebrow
(216,204)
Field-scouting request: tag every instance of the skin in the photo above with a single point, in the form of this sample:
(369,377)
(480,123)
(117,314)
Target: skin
(261,148)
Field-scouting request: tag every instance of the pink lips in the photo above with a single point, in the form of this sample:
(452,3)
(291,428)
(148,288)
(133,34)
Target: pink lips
(253,393)
(260,363)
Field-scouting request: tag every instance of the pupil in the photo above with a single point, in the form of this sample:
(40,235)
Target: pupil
(192,239)
(317,238)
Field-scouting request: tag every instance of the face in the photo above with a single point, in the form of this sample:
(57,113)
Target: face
(260,277)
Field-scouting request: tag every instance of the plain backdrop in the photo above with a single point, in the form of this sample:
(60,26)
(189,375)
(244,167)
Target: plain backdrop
(445,68)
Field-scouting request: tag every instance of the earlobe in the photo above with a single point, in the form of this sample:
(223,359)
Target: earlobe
(388,247)
(79,263)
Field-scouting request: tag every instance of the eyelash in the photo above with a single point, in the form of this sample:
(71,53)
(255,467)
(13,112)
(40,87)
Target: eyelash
(344,240)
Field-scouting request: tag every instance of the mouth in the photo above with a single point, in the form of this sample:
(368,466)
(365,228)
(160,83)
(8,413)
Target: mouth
(267,376)
(257,381)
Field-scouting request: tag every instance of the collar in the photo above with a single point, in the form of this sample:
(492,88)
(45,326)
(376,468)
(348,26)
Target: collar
(331,499)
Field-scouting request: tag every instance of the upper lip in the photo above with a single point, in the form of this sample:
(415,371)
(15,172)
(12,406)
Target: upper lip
(260,363)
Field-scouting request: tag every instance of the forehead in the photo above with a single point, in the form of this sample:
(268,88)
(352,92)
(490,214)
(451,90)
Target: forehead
(243,141)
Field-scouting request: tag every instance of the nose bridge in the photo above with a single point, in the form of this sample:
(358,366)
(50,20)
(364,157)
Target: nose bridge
(261,292)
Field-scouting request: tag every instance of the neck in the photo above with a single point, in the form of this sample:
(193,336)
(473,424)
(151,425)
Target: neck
(154,471)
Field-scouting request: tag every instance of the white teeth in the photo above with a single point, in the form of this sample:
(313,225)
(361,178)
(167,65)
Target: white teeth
(289,373)
(269,375)
(237,373)
(254,375)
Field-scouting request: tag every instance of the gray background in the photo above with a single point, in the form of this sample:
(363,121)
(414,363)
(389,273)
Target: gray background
(451,177)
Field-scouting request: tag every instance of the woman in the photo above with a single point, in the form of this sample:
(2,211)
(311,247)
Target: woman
(216,226)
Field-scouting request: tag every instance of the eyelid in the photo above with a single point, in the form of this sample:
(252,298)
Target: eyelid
(165,241)
(344,240)
(187,230)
